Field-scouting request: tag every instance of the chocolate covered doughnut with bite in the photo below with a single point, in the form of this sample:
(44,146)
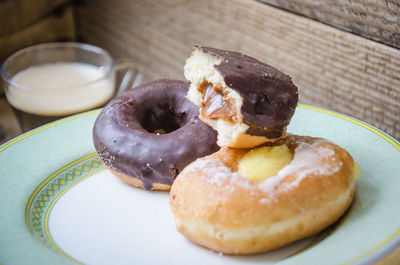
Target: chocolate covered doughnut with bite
(248,102)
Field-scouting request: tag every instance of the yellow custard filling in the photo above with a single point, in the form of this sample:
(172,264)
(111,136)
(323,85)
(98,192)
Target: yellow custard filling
(264,162)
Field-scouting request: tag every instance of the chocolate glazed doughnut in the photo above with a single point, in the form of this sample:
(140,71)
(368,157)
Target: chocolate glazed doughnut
(150,133)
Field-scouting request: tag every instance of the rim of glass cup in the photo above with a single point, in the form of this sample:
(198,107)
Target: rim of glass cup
(83,46)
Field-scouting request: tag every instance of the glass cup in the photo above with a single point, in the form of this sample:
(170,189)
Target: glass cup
(48,81)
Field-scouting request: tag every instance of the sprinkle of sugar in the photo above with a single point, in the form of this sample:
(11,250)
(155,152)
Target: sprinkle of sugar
(108,159)
(219,173)
(307,160)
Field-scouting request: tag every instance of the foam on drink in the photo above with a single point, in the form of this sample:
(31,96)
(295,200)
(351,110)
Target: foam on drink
(62,88)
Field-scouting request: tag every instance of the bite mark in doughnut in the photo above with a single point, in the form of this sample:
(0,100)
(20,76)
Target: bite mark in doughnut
(246,101)
(216,207)
(150,133)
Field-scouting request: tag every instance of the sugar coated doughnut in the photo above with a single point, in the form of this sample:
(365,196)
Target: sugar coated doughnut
(248,102)
(223,203)
(150,133)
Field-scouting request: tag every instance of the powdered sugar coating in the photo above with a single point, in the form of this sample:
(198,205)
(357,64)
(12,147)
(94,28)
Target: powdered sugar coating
(219,173)
(310,159)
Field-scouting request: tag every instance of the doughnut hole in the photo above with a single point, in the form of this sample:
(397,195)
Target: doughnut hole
(264,162)
(161,119)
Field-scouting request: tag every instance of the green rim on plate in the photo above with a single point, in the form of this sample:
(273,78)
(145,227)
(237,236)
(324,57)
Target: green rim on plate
(51,189)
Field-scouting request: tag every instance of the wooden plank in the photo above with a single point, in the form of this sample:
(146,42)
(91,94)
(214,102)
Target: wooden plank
(332,68)
(375,19)
(17,14)
(58,26)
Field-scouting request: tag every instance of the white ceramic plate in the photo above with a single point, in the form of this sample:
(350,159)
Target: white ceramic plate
(59,205)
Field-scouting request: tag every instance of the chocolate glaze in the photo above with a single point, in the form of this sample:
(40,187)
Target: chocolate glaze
(124,139)
(269,96)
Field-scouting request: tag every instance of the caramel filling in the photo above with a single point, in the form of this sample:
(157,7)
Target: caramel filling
(215,105)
